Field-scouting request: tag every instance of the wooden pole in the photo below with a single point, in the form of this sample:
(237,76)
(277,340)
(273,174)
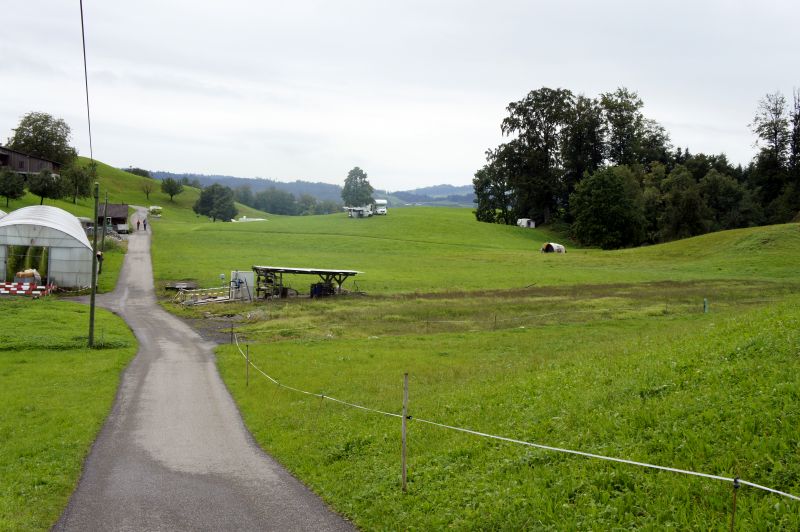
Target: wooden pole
(247,367)
(94,266)
(733,513)
(405,419)
(231,331)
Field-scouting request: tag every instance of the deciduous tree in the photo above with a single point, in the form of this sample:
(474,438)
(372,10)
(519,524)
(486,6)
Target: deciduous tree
(216,202)
(12,185)
(46,185)
(357,191)
(77,181)
(171,187)
(43,136)
(608,209)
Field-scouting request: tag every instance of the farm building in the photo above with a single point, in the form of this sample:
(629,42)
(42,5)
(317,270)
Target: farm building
(117,216)
(552,247)
(22,163)
(48,239)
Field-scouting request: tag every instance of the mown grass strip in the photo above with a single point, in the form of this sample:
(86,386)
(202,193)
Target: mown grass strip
(55,394)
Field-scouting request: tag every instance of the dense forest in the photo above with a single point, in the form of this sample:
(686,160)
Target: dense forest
(599,165)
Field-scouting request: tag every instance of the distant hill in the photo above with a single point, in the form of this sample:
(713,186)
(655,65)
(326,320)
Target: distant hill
(321,191)
(433,196)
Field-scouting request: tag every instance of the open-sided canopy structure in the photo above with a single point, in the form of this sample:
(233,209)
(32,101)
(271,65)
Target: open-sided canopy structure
(69,258)
(269,280)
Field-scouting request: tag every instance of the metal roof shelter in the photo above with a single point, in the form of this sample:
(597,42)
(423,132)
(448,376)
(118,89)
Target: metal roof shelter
(269,280)
(69,255)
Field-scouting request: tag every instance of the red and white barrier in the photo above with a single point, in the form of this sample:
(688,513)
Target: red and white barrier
(25,289)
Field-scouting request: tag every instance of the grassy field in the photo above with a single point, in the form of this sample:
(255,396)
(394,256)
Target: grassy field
(605,352)
(55,394)
(716,393)
(439,250)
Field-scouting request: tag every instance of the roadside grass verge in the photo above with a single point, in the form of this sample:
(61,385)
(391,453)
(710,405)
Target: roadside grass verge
(715,393)
(55,394)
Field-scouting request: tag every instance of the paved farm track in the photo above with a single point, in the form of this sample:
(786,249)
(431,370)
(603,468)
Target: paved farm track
(174,453)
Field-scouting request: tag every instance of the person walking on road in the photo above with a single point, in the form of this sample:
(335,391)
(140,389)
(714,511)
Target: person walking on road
(145,224)
(138,224)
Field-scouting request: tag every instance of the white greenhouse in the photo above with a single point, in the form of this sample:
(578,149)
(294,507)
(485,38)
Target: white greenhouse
(54,237)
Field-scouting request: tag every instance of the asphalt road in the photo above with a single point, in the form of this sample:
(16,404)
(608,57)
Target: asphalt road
(174,453)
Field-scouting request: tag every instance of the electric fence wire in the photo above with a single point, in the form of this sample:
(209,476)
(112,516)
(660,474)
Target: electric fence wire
(522,442)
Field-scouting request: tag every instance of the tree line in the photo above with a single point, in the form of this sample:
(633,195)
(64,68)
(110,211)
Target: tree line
(276,201)
(600,166)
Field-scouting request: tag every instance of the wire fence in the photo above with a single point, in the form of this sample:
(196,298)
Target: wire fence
(735,481)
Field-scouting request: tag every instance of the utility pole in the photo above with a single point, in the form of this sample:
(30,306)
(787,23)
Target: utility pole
(94,264)
(103,240)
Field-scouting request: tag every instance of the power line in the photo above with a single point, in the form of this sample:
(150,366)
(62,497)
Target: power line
(86,84)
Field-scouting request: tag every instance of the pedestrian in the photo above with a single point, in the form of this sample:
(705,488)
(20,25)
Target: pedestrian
(138,224)
(145,224)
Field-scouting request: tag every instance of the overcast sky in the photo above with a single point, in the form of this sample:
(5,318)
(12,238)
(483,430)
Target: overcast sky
(413,92)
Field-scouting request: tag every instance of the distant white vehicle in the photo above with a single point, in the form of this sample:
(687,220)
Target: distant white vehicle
(364,211)
(381,207)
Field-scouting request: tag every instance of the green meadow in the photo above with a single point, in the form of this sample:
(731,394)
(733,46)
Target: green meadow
(682,355)
(55,395)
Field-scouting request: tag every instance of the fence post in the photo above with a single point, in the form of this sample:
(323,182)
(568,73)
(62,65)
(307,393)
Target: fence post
(705,305)
(405,418)
(733,513)
(231,331)
(247,367)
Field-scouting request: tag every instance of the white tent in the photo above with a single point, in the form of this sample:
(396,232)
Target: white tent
(2,213)
(69,251)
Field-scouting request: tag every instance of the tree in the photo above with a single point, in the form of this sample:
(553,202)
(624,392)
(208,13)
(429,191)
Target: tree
(306,205)
(771,125)
(583,144)
(171,187)
(794,139)
(357,191)
(77,181)
(685,211)
(730,203)
(622,110)
(608,209)
(492,186)
(12,185)
(216,202)
(138,171)
(45,185)
(276,201)
(43,136)
(147,188)
(244,195)
(536,169)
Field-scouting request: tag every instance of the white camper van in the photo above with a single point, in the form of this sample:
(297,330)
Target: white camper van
(381,207)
